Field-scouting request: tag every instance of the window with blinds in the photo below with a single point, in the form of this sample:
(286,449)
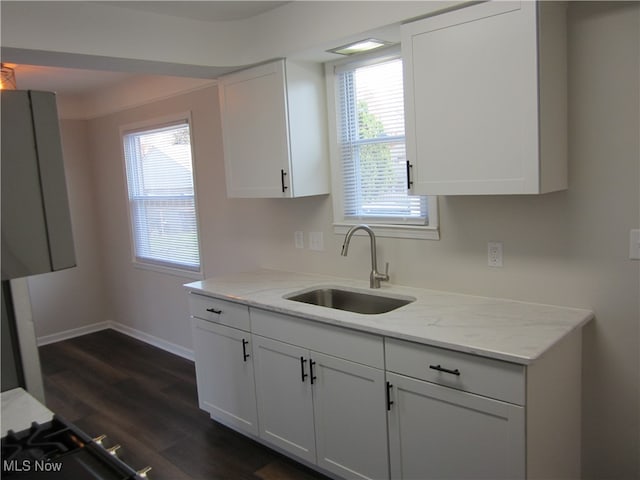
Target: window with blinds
(370,108)
(161,196)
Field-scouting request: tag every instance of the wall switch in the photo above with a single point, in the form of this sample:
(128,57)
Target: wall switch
(634,245)
(495,254)
(315,241)
(299,239)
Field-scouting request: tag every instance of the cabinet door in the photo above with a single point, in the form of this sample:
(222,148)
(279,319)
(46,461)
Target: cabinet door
(285,403)
(224,373)
(437,432)
(471,84)
(255,132)
(350,422)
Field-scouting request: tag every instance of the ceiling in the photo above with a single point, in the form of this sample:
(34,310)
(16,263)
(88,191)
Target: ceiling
(71,81)
(65,81)
(208,11)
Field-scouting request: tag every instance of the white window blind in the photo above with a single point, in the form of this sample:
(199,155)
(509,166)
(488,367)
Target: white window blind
(372,145)
(161,196)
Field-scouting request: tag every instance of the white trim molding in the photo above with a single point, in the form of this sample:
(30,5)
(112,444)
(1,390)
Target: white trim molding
(72,333)
(118,327)
(393,231)
(154,341)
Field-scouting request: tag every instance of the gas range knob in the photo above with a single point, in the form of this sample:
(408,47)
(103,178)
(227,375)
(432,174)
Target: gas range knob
(114,450)
(100,439)
(142,473)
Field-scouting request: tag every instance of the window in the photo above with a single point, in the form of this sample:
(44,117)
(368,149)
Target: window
(161,196)
(369,151)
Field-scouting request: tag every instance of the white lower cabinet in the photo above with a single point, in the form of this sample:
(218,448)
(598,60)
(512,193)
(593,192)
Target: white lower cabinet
(311,405)
(454,415)
(224,365)
(285,402)
(327,410)
(437,432)
(349,405)
(224,375)
(360,406)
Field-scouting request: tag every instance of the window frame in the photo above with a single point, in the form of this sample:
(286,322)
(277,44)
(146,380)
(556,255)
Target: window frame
(341,224)
(154,124)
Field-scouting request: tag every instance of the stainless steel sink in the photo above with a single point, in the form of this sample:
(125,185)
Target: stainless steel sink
(349,300)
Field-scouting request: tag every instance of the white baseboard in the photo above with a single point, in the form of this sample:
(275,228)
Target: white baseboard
(119,327)
(74,332)
(152,340)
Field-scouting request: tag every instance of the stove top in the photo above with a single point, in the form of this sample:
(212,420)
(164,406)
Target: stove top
(59,450)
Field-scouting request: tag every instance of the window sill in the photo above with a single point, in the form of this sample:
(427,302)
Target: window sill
(394,231)
(168,270)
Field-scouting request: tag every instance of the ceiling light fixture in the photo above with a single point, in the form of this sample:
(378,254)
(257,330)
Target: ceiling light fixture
(359,46)
(7,78)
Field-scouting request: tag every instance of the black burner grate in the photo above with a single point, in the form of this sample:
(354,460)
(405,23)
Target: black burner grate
(45,441)
(58,450)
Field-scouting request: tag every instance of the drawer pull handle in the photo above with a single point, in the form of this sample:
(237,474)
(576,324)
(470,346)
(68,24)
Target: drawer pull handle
(313,377)
(213,310)
(389,401)
(302,374)
(245,355)
(445,370)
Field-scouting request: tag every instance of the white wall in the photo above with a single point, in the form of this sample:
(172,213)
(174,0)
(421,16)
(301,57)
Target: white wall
(567,248)
(69,300)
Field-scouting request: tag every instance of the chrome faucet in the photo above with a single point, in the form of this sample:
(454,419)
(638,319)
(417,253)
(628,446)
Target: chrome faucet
(375,277)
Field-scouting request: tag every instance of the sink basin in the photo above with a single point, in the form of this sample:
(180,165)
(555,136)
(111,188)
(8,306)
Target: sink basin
(349,300)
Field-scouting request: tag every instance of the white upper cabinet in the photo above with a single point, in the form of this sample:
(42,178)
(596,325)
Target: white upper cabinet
(486,108)
(274,131)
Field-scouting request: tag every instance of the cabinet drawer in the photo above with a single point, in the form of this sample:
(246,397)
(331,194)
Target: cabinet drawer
(220,311)
(340,342)
(471,373)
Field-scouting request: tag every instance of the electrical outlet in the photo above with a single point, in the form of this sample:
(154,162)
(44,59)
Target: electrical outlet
(298,237)
(316,241)
(495,254)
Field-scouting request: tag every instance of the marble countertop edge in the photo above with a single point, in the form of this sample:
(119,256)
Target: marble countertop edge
(19,409)
(509,330)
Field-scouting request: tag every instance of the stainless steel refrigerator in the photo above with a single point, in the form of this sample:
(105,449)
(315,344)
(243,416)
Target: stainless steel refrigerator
(36,224)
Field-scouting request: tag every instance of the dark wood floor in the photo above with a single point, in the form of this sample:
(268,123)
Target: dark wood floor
(145,399)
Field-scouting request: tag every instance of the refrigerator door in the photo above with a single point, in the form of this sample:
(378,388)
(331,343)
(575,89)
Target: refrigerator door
(36,223)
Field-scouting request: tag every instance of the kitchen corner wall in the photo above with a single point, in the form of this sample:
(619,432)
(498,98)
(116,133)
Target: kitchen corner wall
(567,248)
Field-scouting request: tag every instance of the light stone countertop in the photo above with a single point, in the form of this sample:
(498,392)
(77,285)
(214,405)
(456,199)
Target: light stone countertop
(19,409)
(507,330)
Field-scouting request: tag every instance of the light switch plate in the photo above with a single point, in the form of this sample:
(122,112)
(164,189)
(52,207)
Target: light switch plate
(634,244)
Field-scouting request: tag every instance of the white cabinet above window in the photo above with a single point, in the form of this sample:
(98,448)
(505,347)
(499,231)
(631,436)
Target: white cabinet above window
(274,131)
(485,100)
